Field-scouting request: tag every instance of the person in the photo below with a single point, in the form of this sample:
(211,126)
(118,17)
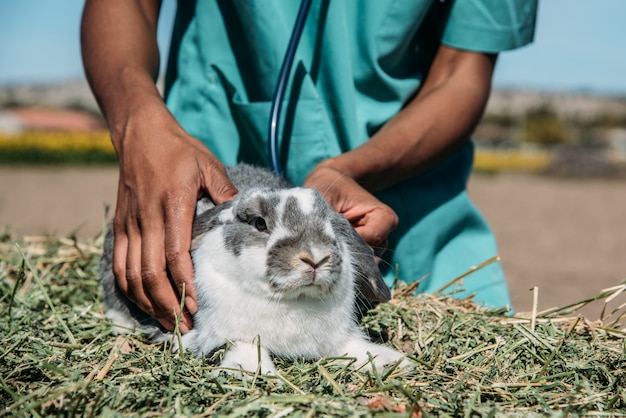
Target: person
(377,116)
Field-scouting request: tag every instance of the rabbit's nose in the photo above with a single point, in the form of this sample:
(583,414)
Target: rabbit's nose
(314,262)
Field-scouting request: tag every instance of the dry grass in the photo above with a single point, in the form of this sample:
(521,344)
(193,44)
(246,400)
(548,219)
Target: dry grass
(58,356)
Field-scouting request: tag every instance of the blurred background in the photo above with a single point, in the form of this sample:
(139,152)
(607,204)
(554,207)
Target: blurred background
(550,171)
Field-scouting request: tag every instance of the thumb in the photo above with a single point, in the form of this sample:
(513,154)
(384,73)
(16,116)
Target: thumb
(217,185)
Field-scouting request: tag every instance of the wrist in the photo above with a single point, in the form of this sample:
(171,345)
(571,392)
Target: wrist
(365,166)
(129,91)
(344,165)
(144,110)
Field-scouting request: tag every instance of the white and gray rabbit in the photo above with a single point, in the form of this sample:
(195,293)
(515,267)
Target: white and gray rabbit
(276,269)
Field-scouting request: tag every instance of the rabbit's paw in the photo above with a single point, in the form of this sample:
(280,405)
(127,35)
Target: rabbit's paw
(383,356)
(122,322)
(380,355)
(244,359)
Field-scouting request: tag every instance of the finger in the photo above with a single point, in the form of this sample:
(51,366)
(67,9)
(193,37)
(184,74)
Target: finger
(120,240)
(120,247)
(375,226)
(156,284)
(134,272)
(370,234)
(178,225)
(216,184)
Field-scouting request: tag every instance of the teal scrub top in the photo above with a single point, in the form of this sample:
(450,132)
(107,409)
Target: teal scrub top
(358,62)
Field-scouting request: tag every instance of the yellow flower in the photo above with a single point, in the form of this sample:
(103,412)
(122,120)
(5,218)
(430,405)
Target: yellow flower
(511,160)
(56,146)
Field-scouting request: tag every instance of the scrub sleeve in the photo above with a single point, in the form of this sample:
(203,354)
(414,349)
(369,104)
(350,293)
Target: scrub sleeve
(357,64)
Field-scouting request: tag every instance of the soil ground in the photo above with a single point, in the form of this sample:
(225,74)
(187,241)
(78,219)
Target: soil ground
(568,237)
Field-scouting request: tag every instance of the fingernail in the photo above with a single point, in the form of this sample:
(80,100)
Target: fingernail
(191,304)
(183,328)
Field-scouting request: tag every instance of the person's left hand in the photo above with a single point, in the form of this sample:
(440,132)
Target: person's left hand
(370,217)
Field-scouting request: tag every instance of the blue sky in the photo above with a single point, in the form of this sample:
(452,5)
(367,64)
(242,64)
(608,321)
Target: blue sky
(579,45)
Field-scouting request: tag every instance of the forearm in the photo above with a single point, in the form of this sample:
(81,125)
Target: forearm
(121,56)
(430,128)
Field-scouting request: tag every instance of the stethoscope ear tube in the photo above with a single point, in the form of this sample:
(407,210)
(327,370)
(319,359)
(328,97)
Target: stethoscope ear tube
(279,93)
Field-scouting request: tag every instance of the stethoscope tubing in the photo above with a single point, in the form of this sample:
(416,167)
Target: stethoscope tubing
(281,85)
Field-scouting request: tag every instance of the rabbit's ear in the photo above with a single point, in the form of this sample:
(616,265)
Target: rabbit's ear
(207,220)
(204,204)
(369,280)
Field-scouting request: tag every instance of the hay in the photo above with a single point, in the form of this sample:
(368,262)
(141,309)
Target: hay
(58,356)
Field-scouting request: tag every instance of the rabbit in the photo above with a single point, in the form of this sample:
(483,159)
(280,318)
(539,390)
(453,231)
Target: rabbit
(277,273)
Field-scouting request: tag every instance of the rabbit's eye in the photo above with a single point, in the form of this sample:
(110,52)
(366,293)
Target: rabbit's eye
(259,223)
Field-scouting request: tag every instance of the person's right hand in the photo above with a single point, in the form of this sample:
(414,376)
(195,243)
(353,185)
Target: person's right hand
(372,219)
(163,171)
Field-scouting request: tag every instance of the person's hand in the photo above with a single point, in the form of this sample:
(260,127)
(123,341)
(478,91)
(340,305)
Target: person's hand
(370,217)
(163,171)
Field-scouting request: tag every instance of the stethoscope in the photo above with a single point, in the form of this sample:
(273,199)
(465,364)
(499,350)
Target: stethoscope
(279,93)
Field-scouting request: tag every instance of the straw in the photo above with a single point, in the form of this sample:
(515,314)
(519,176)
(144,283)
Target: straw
(58,355)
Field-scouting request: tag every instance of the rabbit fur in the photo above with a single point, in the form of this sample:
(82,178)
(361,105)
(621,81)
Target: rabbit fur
(277,272)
